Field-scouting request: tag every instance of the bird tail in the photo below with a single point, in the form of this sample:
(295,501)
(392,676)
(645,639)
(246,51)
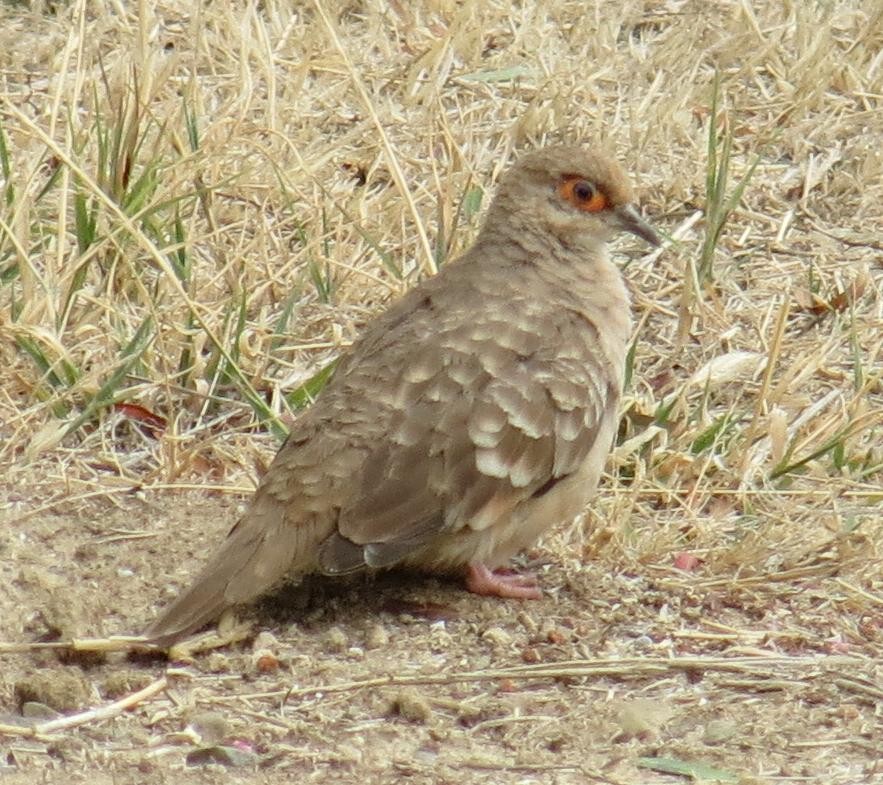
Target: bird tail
(201,604)
(258,552)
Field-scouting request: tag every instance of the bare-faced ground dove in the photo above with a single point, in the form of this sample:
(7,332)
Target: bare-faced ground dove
(467,419)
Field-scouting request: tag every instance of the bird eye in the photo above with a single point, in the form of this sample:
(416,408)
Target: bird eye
(582,194)
(583,190)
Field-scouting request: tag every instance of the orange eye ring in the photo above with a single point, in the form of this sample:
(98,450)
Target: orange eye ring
(582,194)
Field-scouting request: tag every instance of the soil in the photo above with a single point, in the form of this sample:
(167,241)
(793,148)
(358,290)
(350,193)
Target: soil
(614,676)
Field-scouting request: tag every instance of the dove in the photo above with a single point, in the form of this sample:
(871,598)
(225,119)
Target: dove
(473,414)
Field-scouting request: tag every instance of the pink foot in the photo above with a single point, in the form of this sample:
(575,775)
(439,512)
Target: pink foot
(501,583)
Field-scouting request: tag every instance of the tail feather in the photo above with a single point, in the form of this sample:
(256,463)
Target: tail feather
(200,605)
(257,554)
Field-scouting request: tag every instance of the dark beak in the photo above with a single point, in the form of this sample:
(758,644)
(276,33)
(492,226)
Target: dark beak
(631,221)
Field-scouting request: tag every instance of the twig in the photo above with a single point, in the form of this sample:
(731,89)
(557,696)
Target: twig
(859,686)
(107,712)
(872,598)
(114,643)
(766,667)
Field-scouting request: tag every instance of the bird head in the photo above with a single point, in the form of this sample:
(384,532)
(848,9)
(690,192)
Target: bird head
(572,193)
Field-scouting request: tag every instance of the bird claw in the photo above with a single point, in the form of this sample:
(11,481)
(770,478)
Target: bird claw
(480,579)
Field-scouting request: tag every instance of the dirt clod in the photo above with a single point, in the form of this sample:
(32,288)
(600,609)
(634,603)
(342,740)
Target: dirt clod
(60,689)
(410,705)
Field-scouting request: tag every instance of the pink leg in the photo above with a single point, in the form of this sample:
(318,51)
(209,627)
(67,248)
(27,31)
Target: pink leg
(501,583)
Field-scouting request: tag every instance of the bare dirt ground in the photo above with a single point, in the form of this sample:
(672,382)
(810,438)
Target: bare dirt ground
(202,205)
(404,677)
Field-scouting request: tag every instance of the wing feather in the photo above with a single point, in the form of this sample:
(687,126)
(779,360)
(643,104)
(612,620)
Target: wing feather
(499,419)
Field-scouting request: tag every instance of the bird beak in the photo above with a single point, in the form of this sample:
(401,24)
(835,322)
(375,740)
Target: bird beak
(630,221)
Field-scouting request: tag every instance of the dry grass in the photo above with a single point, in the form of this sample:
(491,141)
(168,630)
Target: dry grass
(201,206)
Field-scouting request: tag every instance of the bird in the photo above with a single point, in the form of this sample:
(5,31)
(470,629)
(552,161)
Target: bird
(474,413)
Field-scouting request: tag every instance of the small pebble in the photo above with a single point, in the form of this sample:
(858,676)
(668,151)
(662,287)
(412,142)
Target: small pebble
(718,731)
(642,718)
(210,726)
(531,655)
(265,640)
(122,682)
(336,640)
(217,662)
(377,637)
(33,710)
(497,636)
(265,661)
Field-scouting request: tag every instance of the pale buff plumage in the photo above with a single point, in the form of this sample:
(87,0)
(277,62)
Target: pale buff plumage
(468,418)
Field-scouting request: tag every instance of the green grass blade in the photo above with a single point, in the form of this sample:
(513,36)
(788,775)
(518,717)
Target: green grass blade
(281,326)
(179,258)
(130,354)
(85,221)
(786,466)
(191,124)
(713,434)
(307,392)
(630,364)
(30,347)
(6,168)
(695,770)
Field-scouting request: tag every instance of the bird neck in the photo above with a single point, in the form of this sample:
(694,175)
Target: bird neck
(575,272)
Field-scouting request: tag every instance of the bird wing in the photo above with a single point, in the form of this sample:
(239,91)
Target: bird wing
(483,416)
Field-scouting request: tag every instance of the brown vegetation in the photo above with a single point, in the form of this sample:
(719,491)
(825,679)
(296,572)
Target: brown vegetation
(202,204)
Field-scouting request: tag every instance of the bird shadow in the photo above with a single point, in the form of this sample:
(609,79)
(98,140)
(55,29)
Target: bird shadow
(318,601)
